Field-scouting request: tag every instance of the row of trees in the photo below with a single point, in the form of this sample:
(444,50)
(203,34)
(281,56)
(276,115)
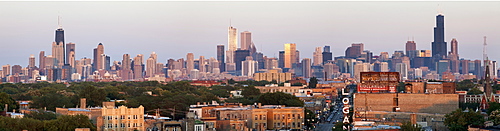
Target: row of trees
(61,123)
(172,97)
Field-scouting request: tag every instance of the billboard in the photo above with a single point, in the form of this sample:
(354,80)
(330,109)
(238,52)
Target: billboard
(373,82)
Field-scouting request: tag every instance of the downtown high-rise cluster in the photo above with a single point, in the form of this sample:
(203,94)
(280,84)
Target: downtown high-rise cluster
(241,60)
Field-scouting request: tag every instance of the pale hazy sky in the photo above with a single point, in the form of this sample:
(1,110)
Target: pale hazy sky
(172,29)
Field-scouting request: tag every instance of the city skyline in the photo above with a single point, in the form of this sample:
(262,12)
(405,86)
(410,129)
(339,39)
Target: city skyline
(154,36)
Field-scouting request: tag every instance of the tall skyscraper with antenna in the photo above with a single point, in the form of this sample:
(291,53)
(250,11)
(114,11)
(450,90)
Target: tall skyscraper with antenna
(439,46)
(232,42)
(59,41)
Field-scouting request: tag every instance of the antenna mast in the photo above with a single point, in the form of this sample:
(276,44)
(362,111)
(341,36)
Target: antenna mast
(59,22)
(485,56)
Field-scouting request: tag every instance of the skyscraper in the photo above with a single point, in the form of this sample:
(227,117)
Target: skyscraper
(138,67)
(306,67)
(281,59)
(239,56)
(98,59)
(402,68)
(70,47)
(6,70)
(249,66)
(31,63)
(464,66)
(439,47)
(126,62)
(201,64)
(232,44)
(327,54)
(58,53)
(411,45)
(290,58)
(454,49)
(59,40)
(71,59)
(150,67)
(246,40)
(190,62)
(126,70)
(41,63)
(354,51)
(220,57)
(411,48)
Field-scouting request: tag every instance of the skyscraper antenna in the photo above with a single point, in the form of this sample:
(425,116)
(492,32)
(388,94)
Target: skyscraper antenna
(440,12)
(59,22)
(485,55)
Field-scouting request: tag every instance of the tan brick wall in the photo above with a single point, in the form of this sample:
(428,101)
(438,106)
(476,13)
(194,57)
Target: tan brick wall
(419,103)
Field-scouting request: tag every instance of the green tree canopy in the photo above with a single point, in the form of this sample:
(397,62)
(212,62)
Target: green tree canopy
(69,123)
(493,106)
(6,99)
(474,91)
(280,98)
(495,117)
(458,120)
(313,81)
(465,85)
(407,126)
(51,101)
(94,96)
(41,115)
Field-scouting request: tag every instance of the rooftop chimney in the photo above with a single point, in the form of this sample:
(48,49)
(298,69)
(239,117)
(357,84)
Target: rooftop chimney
(83,103)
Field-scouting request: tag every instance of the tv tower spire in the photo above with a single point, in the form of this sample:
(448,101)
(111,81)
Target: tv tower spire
(59,24)
(485,56)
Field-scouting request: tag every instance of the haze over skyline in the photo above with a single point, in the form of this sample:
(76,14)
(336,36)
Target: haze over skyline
(173,29)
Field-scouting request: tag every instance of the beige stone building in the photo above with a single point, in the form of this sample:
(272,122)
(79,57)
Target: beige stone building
(121,119)
(273,75)
(275,88)
(109,117)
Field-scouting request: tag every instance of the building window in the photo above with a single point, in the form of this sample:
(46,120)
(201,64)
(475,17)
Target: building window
(298,124)
(293,116)
(122,117)
(260,117)
(264,117)
(198,128)
(256,125)
(255,117)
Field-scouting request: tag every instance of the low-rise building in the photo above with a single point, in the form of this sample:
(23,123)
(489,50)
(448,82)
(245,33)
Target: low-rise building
(249,117)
